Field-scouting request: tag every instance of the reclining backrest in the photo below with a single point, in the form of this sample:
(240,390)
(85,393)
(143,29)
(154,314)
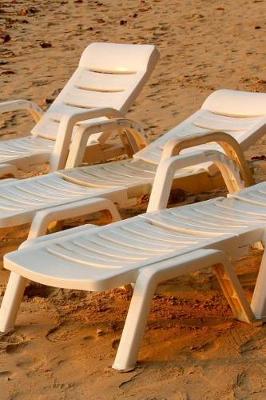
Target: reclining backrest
(236,103)
(234,111)
(108,75)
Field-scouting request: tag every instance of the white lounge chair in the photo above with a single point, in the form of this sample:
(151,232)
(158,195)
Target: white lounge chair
(148,249)
(123,181)
(107,81)
(240,114)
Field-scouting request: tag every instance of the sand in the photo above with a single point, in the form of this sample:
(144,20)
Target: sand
(65,341)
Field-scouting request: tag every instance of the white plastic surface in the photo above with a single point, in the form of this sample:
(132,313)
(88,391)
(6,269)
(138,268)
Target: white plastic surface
(22,199)
(146,249)
(236,103)
(167,242)
(120,181)
(108,75)
(102,81)
(245,130)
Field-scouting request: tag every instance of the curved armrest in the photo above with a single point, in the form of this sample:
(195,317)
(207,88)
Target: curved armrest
(134,131)
(74,209)
(104,112)
(230,146)
(63,137)
(165,174)
(16,105)
(66,126)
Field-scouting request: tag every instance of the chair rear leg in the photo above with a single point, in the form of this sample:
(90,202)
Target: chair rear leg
(11,301)
(233,291)
(134,327)
(258,302)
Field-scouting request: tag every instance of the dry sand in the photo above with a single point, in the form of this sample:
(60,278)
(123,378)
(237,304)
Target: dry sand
(65,341)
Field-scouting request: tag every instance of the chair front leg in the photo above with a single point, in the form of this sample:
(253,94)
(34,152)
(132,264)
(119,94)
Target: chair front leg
(11,301)
(134,327)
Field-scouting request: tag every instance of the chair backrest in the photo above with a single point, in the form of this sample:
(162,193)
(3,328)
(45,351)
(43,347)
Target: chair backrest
(236,103)
(234,111)
(153,152)
(108,75)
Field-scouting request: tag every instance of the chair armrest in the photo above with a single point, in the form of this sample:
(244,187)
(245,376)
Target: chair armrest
(135,133)
(230,146)
(75,209)
(64,135)
(104,112)
(167,167)
(63,138)
(16,105)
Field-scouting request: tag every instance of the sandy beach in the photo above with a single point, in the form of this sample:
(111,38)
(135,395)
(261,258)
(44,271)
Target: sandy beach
(65,341)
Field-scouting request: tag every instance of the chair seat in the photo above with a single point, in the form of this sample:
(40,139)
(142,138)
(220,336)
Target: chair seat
(103,257)
(109,256)
(125,173)
(21,199)
(122,181)
(253,195)
(27,150)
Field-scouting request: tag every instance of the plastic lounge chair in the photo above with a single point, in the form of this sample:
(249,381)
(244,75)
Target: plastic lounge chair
(121,182)
(240,114)
(148,249)
(124,181)
(105,84)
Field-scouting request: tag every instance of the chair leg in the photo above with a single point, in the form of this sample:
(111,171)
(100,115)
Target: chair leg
(11,301)
(133,331)
(258,302)
(233,291)
(145,287)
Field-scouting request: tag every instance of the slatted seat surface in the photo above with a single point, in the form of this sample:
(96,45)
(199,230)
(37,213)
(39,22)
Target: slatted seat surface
(92,260)
(253,195)
(213,217)
(20,200)
(126,172)
(21,148)
(119,180)
(129,173)
(113,254)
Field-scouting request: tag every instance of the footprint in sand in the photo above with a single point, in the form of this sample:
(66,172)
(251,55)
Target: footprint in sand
(15,347)
(12,343)
(5,374)
(203,351)
(66,332)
